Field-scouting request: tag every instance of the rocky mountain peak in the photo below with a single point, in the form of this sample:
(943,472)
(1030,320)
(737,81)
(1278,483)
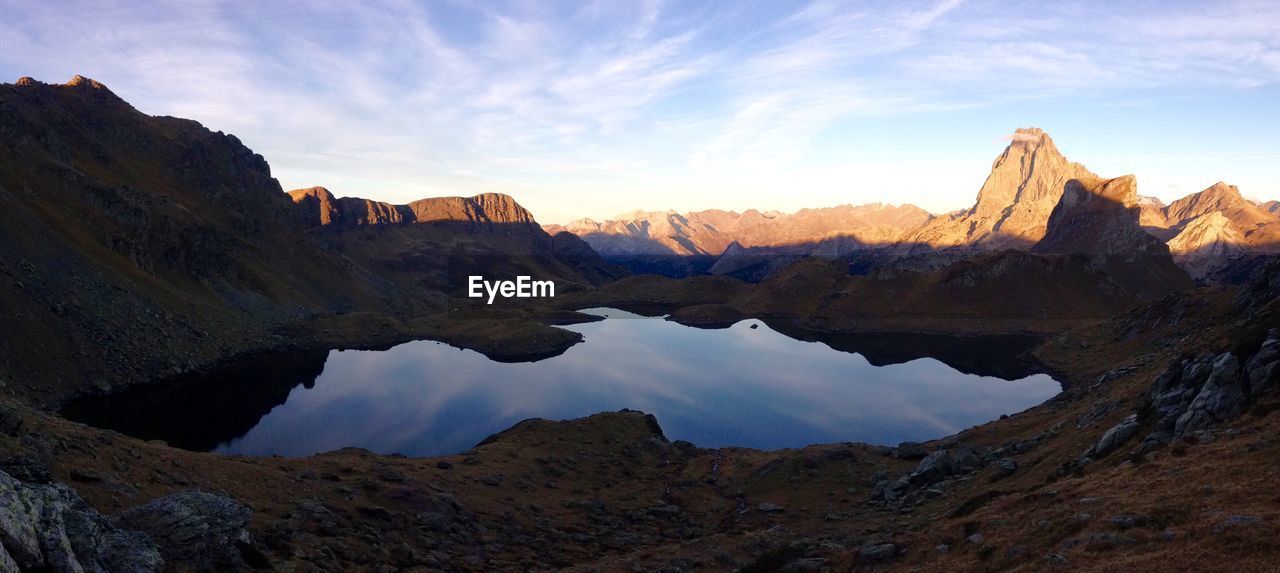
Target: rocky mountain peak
(26,81)
(1014,203)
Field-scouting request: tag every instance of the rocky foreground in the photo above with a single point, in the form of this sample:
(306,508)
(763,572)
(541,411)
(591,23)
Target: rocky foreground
(1160,448)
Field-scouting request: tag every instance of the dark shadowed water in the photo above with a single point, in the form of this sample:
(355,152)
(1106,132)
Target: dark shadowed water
(739,386)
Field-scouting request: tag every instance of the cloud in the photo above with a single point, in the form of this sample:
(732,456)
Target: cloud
(401,99)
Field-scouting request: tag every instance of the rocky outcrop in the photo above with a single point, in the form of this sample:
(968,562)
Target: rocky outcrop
(939,465)
(1013,205)
(1221,398)
(1210,390)
(199,530)
(47,527)
(1198,393)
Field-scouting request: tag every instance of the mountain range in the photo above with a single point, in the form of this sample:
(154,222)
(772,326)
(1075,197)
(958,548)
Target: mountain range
(1204,230)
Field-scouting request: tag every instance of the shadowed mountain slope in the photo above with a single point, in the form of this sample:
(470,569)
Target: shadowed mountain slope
(133,242)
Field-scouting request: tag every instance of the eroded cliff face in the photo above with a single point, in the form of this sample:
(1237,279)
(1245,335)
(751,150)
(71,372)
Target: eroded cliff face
(488,209)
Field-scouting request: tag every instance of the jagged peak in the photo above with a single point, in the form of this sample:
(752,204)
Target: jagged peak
(26,81)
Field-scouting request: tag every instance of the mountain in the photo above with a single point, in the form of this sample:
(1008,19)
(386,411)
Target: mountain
(1222,198)
(1206,243)
(435,243)
(1206,230)
(712,232)
(1100,220)
(137,247)
(486,212)
(1098,217)
(1013,205)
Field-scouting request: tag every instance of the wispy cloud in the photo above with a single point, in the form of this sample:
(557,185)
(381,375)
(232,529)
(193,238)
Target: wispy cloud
(400,99)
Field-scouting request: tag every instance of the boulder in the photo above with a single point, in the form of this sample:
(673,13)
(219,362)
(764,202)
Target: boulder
(942,464)
(1113,438)
(195,529)
(48,527)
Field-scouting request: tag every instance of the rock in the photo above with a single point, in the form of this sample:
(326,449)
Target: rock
(194,529)
(27,468)
(767,507)
(1056,560)
(1221,399)
(1113,438)
(48,527)
(975,539)
(1155,440)
(1263,368)
(21,509)
(877,553)
(942,464)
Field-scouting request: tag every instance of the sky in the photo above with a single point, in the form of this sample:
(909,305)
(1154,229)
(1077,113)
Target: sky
(591,109)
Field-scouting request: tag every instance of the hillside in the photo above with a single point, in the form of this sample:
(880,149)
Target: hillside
(138,247)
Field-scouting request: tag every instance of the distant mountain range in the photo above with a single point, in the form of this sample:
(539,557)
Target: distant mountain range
(1204,230)
(712,232)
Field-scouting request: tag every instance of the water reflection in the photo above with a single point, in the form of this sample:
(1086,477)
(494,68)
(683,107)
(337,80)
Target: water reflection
(739,386)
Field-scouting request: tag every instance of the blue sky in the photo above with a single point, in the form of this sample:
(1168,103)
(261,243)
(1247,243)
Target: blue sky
(595,108)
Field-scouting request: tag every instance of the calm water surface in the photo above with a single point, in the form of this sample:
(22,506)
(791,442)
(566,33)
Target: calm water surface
(740,386)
